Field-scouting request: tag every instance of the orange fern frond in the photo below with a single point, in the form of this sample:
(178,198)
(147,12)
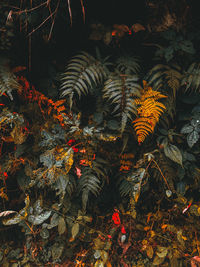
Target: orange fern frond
(149,111)
(46,105)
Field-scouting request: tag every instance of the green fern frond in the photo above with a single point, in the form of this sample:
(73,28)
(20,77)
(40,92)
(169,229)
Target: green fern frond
(191,78)
(89,182)
(121,91)
(128,65)
(130,183)
(173,77)
(126,188)
(82,73)
(8,81)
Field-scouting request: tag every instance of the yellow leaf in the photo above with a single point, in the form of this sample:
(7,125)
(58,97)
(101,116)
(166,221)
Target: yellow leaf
(149,251)
(152,233)
(75,230)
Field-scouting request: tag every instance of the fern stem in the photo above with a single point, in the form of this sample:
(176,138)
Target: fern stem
(165,180)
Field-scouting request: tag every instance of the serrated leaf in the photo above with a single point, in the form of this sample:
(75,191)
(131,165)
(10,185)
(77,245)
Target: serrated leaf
(173,153)
(75,230)
(188,128)
(192,138)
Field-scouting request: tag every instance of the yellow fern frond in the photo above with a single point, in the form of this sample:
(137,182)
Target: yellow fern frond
(149,111)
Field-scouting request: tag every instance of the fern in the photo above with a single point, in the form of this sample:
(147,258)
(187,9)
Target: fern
(82,73)
(149,111)
(121,91)
(91,179)
(160,75)
(130,184)
(8,81)
(191,78)
(127,65)
(89,182)
(167,170)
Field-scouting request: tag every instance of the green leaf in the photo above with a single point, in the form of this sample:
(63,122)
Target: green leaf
(173,153)
(188,128)
(192,138)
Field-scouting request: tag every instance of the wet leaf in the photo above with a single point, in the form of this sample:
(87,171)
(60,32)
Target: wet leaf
(172,152)
(75,230)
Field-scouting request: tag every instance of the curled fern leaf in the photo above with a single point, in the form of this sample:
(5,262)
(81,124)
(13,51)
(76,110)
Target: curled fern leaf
(82,73)
(121,91)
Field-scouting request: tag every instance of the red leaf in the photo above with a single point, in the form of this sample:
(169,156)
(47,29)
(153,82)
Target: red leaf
(78,172)
(71,141)
(75,149)
(116,218)
(123,230)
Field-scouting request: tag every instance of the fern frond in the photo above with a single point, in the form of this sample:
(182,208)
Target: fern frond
(130,183)
(8,81)
(161,75)
(191,78)
(128,65)
(173,77)
(167,169)
(149,111)
(89,182)
(82,72)
(121,91)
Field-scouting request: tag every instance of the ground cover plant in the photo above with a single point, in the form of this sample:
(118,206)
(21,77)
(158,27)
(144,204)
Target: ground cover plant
(99,151)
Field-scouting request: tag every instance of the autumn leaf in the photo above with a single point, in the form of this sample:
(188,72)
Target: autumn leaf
(75,230)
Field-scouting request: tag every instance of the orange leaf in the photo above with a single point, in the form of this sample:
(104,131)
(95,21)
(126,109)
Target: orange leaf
(59,102)
(61,108)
